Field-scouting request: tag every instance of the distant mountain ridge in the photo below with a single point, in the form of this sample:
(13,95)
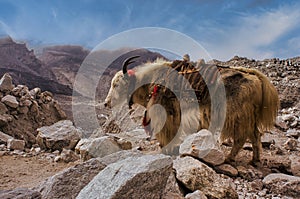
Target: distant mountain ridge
(25,68)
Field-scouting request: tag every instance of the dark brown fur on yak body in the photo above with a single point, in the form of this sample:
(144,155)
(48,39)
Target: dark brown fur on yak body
(252,104)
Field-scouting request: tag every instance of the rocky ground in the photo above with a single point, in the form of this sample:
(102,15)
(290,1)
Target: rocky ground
(113,164)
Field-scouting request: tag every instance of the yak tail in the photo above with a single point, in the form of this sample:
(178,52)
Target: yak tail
(270,101)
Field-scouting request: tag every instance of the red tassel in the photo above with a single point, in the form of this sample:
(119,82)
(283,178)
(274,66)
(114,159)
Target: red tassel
(155,89)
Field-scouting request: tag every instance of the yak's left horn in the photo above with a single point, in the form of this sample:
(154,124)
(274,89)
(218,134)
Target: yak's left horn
(127,62)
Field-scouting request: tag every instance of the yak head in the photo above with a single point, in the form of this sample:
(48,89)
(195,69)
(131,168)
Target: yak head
(119,89)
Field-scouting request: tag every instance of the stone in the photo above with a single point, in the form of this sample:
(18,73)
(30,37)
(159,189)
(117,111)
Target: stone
(20,90)
(281,123)
(25,102)
(96,147)
(67,156)
(15,144)
(283,184)
(140,177)
(277,163)
(3,108)
(35,92)
(172,189)
(198,144)
(295,165)
(4,138)
(196,195)
(10,101)
(249,173)
(20,193)
(5,119)
(23,109)
(121,155)
(6,83)
(62,134)
(291,144)
(293,133)
(195,175)
(214,157)
(267,140)
(227,169)
(134,136)
(68,183)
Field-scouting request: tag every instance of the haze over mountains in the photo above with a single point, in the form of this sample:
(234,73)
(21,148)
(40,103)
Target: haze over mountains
(55,67)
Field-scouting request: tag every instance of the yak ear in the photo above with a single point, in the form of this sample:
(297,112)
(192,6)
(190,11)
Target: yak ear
(127,62)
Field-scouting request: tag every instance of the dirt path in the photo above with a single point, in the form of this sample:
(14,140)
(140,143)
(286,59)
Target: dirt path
(17,171)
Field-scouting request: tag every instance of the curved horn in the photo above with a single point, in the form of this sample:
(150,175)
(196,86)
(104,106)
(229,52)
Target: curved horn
(127,62)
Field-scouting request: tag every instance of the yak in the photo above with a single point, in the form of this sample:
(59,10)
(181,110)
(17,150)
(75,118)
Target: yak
(251,101)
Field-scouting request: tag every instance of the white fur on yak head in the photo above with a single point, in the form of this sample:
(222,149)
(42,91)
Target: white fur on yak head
(118,91)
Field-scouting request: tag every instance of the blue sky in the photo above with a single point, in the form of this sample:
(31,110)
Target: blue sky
(256,29)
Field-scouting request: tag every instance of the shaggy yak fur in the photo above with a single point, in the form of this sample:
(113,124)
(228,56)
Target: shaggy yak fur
(251,100)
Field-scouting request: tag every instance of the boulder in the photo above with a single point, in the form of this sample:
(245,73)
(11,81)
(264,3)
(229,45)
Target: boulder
(134,177)
(172,189)
(196,195)
(195,175)
(283,184)
(249,173)
(4,138)
(5,119)
(198,144)
(62,134)
(96,147)
(295,165)
(15,144)
(214,157)
(134,136)
(10,101)
(67,155)
(20,90)
(291,144)
(20,193)
(6,83)
(227,169)
(3,108)
(69,182)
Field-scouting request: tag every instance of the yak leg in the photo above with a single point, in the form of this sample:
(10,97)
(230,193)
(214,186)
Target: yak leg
(256,145)
(238,143)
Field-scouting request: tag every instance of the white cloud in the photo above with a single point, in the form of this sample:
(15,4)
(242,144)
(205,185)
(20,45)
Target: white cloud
(251,35)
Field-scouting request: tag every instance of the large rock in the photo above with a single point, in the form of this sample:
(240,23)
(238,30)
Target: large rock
(68,183)
(6,83)
(10,101)
(140,177)
(295,165)
(214,157)
(198,144)
(3,108)
(172,189)
(20,193)
(197,176)
(4,138)
(96,147)
(227,169)
(15,144)
(62,134)
(196,195)
(283,184)
(5,119)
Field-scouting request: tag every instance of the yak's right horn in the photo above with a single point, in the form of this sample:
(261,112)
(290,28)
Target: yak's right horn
(127,62)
